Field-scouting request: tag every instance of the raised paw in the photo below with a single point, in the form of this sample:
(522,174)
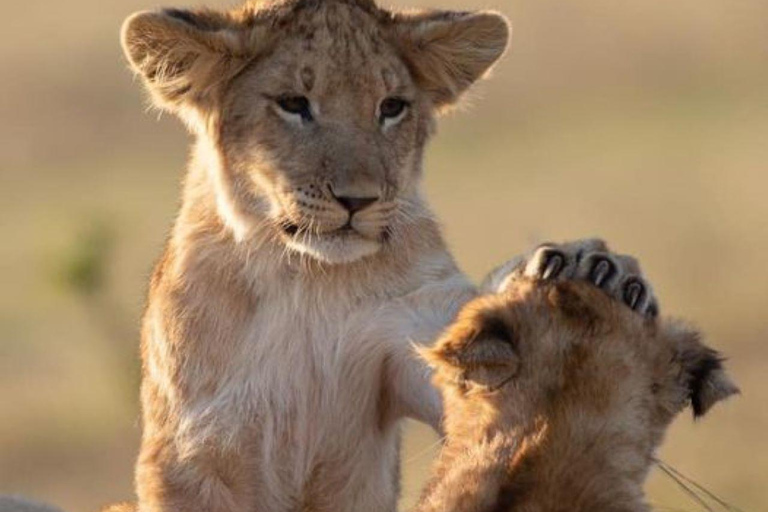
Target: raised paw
(591,260)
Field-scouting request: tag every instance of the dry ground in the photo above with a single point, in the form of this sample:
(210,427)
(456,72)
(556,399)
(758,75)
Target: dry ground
(642,121)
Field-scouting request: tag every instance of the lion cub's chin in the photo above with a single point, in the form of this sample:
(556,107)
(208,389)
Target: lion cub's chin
(335,248)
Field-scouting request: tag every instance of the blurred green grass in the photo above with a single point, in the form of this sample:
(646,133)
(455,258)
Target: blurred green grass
(643,122)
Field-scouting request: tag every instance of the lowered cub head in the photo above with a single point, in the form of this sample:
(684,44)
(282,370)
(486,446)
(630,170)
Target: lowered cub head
(313,114)
(578,386)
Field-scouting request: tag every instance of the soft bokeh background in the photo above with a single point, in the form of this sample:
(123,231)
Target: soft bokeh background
(642,121)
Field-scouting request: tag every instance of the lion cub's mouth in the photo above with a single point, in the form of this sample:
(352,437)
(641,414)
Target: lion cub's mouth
(293,230)
(344,244)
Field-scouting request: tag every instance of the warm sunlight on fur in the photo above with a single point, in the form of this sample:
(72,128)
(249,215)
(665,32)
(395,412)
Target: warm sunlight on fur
(556,398)
(277,338)
(313,114)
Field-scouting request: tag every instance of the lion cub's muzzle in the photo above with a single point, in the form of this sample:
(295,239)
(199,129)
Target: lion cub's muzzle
(315,210)
(334,228)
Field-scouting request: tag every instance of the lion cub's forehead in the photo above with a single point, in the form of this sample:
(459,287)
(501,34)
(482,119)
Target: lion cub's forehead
(540,320)
(338,45)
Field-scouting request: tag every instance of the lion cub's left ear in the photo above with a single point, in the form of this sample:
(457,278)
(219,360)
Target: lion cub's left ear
(449,51)
(479,345)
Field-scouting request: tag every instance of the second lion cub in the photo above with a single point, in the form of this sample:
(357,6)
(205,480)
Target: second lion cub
(557,398)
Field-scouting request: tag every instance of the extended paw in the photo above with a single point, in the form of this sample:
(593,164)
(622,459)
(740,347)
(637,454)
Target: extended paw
(591,260)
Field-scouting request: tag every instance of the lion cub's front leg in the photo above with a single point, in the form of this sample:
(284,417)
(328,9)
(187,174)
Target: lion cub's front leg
(589,260)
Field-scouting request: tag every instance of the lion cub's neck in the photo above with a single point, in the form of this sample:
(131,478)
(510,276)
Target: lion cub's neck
(530,471)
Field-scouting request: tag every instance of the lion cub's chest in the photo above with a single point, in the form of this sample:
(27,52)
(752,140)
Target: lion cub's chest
(310,383)
(290,353)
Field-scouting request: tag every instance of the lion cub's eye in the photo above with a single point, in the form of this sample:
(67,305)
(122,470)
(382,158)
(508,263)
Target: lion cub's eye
(392,109)
(296,105)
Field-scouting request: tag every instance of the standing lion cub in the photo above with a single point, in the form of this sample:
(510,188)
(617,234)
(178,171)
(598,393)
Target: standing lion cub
(277,339)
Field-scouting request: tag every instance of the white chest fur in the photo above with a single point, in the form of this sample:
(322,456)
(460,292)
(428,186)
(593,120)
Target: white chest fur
(305,390)
(305,386)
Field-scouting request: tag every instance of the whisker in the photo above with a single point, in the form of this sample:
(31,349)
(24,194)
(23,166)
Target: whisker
(711,495)
(681,483)
(440,442)
(664,508)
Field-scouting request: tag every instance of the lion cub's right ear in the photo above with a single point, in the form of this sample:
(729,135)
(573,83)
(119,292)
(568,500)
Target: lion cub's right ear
(449,51)
(184,57)
(703,370)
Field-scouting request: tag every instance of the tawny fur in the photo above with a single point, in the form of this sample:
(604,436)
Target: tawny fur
(556,398)
(277,340)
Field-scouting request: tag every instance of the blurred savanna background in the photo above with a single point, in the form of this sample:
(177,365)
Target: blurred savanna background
(643,121)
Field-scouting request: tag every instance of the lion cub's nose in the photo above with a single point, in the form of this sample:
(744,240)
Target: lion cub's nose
(355,204)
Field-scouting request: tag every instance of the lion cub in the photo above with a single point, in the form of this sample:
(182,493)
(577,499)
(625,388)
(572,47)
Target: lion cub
(304,261)
(556,398)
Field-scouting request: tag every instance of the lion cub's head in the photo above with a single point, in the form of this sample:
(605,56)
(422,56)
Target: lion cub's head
(315,112)
(582,387)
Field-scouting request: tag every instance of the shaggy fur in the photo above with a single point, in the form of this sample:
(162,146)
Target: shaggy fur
(277,340)
(556,398)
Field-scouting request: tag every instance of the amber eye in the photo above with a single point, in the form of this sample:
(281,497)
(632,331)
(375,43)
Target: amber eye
(392,108)
(296,105)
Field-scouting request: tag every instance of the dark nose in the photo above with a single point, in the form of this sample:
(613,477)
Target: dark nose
(355,204)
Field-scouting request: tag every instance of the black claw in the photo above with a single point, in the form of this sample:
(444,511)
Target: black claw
(553,265)
(653,310)
(603,270)
(633,293)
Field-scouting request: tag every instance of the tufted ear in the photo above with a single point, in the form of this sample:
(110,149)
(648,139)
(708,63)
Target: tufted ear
(449,51)
(184,56)
(704,373)
(480,345)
